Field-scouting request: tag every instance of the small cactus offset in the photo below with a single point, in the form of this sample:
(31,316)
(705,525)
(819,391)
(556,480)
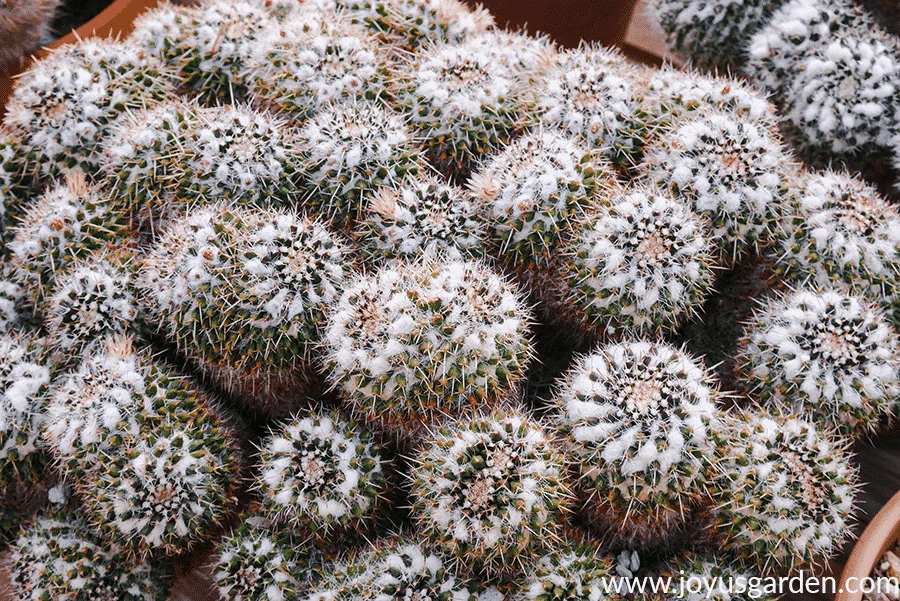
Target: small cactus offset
(413,343)
(786,492)
(320,474)
(260,281)
(576,570)
(640,427)
(24,25)
(63,119)
(828,355)
(490,492)
(418,216)
(59,557)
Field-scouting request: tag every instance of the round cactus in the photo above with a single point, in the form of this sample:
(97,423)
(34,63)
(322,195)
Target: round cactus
(787,492)
(712,578)
(66,104)
(411,23)
(349,151)
(575,571)
(15,314)
(25,25)
(256,561)
(489,492)
(421,215)
(59,557)
(320,473)
(415,342)
(534,190)
(589,93)
(518,52)
(313,60)
(18,180)
(642,264)
(69,222)
(210,45)
(25,372)
(259,281)
(712,33)
(461,100)
(828,355)
(727,169)
(841,102)
(639,425)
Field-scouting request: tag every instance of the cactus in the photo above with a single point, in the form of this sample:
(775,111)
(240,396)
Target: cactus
(348,152)
(63,118)
(533,192)
(18,183)
(24,25)
(69,222)
(462,101)
(15,314)
(639,425)
(415,342)
(641,265)
(576,570)
(418,216)
(712,577)
(786,491)
(520,54)
(589,93)
(732,171)
(828,355)
(259,281)
(489,492)
(313,60)
(209,45)
(320,474)
(59,557)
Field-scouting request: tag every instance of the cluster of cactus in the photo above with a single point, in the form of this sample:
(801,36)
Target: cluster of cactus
(337,221)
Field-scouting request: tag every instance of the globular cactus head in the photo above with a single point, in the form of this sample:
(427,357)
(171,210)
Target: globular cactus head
(534,190)
(348,152)
(25,25)
(69,222)
(642,264)
(63,119)
(829,355)
(320,473)
(712,577)
(462,101)
(519,52)
(728,169)
(315,59)
(640,428)
(415,342)
(413,23)
(421,215)
(573,571)
(489,492)
(589,93)
(260,281)
(786,492)
(210,45)
(58,556)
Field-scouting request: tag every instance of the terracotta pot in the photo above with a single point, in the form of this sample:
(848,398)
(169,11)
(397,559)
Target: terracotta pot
(879,536)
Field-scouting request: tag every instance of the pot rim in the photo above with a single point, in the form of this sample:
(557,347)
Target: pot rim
(879,536)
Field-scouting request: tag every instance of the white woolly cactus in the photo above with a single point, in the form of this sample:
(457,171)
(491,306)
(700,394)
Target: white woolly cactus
(320,474)
(69,222)
(66,104)
(210,45)
(461,100)
(521,54)
(534,190)
(259,281)
(60,557)
(418,216)
(412,23)
(843,101)
(14,311)
(828,355)
(640,427)
(712,33)
(726,580)
(490,492)
(588,93)
(840,230)
(18,180)
(25,25)
(728,169)
(348,152)
(25,373)
(314,59)
(574,571)
(413,343)
(786,491)
(641,264)
(257,562)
